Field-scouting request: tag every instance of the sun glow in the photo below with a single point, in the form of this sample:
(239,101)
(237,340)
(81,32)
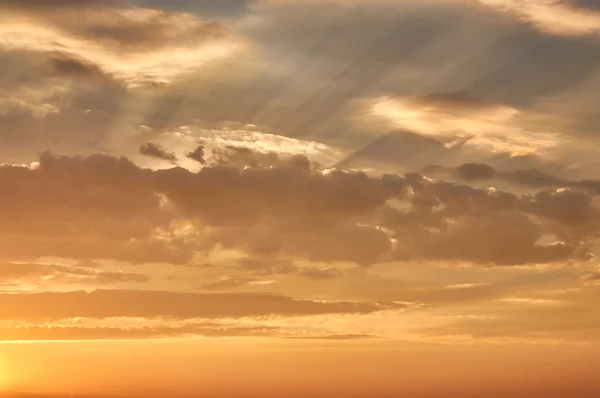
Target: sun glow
(2,375)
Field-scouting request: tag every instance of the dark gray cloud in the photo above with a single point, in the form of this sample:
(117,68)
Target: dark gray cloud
(528,178)
(157,151)
(475,171)
(197,154)
(67,66)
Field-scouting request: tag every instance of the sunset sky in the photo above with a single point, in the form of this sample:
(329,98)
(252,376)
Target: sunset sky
(293,198)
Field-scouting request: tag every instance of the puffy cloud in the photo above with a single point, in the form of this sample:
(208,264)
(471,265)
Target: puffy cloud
(475,171)
(95,207)
(476,224)
(498,239)
(278,207)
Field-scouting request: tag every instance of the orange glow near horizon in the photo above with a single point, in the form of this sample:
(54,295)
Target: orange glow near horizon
(233,368)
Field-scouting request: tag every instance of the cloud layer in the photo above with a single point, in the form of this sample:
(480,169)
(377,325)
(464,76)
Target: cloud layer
(102,304)
(284,207)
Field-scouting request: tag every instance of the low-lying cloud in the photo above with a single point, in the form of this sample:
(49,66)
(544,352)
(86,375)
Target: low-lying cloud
(102,304)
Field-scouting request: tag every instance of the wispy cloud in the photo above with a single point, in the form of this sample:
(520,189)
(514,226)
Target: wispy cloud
(560,17)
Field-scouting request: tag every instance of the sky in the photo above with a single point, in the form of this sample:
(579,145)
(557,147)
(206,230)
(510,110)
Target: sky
(266,198)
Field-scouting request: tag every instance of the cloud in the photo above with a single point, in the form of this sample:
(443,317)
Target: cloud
(68,66)
(319,274)
(102,304)
(122,28)
(197,154)
(130,44)
(228,282)
(299,85)
(591,277)
(227,138)
(32,272)
(58,3)
(157,151)
(280,208)
(475,224)
(223,8)
(537,319)
(42,4)
(97,207)
(72,332)
(138,29)
(475,171)
(560,17)
(256,101)
(45,333)
(266,266)
(452,117)
(528,178)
